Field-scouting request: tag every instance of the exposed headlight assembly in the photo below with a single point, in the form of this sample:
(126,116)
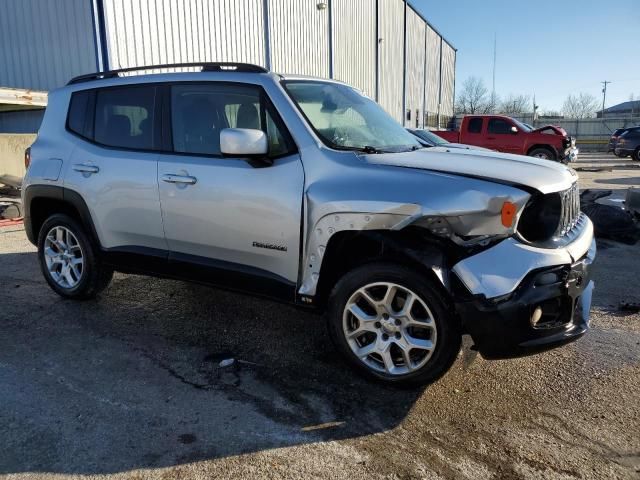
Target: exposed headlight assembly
(474,229)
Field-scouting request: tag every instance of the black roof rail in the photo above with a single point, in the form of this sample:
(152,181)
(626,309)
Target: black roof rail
(206,67)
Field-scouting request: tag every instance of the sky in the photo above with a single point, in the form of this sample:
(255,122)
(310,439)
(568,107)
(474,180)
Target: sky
(544,47)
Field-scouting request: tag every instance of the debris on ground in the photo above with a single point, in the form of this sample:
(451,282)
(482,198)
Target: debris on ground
(10,209)
(227,362)
(11,181)
(10,203)
(631,307)
(593,169)
(610,222)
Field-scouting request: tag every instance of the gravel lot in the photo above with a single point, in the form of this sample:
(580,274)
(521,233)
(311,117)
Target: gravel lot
(129,386)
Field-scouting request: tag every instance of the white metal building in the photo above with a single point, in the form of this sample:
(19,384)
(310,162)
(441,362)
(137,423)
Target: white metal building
(383,47)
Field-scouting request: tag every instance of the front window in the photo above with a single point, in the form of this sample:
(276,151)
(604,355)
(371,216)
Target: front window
(199,112)
(346,119)
(522,126)
(499,126)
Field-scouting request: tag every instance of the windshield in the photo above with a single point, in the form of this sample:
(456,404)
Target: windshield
(429,137)
(522,126)
(346,119)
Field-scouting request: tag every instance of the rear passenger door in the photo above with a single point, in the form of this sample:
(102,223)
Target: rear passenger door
(114,164)
(230,214)
(473,135)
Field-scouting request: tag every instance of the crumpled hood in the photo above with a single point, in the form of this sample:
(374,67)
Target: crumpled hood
(553,128)
(546,176)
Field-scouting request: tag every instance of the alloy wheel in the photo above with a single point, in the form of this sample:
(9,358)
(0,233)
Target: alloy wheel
(389,328)
(64,257)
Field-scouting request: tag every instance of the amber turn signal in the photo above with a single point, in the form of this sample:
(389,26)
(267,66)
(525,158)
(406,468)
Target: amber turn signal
(508,213)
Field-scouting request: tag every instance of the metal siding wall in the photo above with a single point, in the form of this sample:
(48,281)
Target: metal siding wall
(354,43)
(448,78)
(299,34)
(432,77)
(147,32)
(414,78)
(25,121)
(43,43)
(391,63)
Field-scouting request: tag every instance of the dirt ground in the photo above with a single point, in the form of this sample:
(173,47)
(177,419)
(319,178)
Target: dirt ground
(129,386)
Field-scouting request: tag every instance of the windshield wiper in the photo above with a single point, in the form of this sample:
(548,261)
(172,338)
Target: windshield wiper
(370,149)
(364,149)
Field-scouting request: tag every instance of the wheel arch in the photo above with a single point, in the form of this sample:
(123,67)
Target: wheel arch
(349,249)
(42,201)
(544,146)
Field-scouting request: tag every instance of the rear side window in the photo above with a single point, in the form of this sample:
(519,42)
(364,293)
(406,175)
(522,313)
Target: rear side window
(80,118)
(199,112)
(498,125)
(475,125)
(124,117)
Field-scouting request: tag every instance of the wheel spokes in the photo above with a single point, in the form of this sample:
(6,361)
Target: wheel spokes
(389,328)
(64,257)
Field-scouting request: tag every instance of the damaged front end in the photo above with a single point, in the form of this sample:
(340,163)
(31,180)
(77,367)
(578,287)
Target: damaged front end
(531,292)
(515,264)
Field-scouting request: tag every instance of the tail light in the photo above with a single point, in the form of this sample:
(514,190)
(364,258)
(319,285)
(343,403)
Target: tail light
(27,157)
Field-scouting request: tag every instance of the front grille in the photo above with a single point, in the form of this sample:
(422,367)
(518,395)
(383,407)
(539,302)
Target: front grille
(569,210)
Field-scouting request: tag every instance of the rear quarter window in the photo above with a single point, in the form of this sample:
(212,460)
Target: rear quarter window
(80,116)
(475,125)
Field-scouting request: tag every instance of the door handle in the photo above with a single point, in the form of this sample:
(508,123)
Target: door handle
(184,179)
(491,138)
(84,168)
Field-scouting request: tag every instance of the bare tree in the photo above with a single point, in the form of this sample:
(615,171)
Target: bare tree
(582,105)
(473,97)
(513,104)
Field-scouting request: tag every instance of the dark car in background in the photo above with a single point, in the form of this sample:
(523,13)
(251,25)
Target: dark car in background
(629,144)
(429,139)
(613,141)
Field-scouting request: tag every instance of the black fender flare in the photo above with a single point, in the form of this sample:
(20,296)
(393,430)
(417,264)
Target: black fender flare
(59,194)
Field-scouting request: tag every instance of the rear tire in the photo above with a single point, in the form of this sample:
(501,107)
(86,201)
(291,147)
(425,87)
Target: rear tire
(69,260)
(410,345)
(543,153)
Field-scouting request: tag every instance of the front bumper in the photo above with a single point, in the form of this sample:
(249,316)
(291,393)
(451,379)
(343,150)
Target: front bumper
(571,154)
(500,291)
(622,151)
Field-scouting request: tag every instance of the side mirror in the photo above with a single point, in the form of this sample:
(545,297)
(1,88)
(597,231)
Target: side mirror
(243,142)
(514,129)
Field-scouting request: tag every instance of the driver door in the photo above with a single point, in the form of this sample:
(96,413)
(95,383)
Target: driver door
(240,218)
(502,138)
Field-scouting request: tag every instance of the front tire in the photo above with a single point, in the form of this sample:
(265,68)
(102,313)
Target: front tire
(543,153)
(636,155)
(393,325)
(68,259)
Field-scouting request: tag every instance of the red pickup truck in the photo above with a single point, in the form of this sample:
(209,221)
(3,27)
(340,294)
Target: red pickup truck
(508,135)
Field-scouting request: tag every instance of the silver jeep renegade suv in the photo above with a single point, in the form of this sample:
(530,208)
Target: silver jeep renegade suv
(305,190)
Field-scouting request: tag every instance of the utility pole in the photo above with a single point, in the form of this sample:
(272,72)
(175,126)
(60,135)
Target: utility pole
(493,87)
(604,94)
